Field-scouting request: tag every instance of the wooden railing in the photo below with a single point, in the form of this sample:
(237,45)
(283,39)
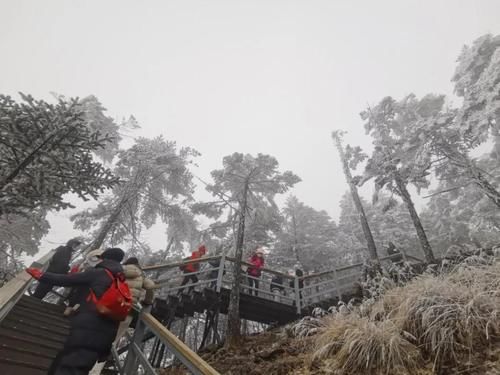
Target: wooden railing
(217,272)
(14,289)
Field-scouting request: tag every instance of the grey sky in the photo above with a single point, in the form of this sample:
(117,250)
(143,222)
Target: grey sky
(249,76)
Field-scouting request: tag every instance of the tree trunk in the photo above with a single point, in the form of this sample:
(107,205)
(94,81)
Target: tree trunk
(107,226)
(372,249)
(295,241)
(422,237)
(487,188)
(233,321)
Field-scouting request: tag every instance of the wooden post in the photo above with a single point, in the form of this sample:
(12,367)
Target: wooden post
(220,274)
(337,284)
(297,294)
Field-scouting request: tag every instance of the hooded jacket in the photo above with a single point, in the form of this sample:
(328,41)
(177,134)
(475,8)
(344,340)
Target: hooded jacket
(257,263)
(89,329)
(140,286)
(60,260)
(193,267)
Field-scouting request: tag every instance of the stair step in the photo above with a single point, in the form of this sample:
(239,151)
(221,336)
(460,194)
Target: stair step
(41,359)
(29,334)
(7,368)
(56,318)
(19,312)
(16,320)
(24,359)
(40,305)
(34,329)
(31,344)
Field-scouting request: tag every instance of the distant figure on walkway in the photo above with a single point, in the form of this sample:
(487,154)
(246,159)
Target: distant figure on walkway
(192,267)
(255,270)
(58,264)
(297,273)
(142,294)
(214,273)
(277,287)
(394,253)
(92,333)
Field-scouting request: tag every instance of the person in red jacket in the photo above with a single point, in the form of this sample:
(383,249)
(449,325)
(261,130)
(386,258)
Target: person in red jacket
(189,268)
(255,270)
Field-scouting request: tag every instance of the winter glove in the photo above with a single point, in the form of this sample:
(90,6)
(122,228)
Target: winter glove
(34,272)
(74,269)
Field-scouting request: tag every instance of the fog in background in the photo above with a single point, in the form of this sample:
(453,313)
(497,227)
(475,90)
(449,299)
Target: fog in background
(274,77)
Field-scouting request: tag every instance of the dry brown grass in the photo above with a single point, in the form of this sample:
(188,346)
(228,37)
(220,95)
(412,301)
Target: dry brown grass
(447,319)
(361,346)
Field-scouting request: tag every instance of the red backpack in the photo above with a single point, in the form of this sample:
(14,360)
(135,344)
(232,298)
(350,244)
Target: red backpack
(116,301)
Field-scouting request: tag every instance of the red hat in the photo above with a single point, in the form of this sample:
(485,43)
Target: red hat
(202,249)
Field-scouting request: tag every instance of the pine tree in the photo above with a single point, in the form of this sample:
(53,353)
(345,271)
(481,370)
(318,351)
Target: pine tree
(389,123)
(47,151)
(246,183)
(156,184)
(307,237)
(349,160)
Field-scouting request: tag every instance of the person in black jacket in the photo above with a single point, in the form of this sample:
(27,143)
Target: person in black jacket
(58,264)
(299,274)
(91,334)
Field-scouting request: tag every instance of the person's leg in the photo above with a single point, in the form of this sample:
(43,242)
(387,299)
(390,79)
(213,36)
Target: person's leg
(256,283)
(185,280)
(74,362)
(250,284)
(41,290)
(122,329)
(194,280)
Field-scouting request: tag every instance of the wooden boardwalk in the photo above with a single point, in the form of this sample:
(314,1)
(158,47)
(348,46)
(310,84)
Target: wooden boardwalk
(273,304)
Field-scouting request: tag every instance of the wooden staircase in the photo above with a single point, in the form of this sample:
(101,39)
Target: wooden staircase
(31,335)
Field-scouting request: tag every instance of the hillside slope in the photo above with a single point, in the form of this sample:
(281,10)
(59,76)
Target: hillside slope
(435,324)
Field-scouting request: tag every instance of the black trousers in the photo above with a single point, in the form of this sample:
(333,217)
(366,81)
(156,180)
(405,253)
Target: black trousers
(185,280)
(75,361)
(253,283)
(42,289)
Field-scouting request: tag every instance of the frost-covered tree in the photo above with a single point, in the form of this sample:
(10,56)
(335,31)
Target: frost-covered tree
(248,184)
(307,237)
(442,142)
(156,184)
(477,81)
(20,235)
(391,165)
(96,120)
(350,157)
(390,222)
(46,151)
(463,216)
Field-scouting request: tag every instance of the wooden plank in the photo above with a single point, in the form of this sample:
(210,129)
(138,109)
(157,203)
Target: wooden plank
(15,288)
(178,264)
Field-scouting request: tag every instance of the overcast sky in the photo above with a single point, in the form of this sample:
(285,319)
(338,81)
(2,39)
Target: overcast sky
(250,76)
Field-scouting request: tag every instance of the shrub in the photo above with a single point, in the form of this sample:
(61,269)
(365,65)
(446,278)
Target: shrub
(361,346)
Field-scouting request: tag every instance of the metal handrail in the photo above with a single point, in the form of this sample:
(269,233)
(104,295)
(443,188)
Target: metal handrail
(184,354)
